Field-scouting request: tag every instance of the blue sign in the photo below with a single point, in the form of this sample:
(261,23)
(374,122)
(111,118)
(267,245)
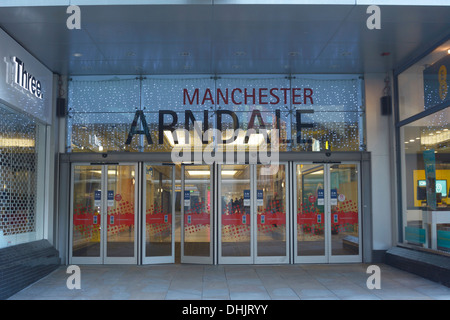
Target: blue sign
(97,198)
(259,197)
(110,198)
(333,197)
(187,198)
(110,194)
(320,197)
(246,198)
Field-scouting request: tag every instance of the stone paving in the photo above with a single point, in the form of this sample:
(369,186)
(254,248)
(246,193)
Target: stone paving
(233,282)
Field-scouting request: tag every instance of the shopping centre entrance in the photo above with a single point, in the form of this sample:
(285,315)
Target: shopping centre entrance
(160,212)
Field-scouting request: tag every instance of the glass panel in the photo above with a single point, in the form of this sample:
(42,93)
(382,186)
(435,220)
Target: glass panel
(337,118)
(197,208)
(425,84)
(235,201)
(158,210)
(101,112)
(425,156)
(310,210)
(271,209)
(121,213)
(87,211)
(344,209)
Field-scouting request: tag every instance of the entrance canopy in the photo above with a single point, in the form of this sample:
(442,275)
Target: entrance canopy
(222,39)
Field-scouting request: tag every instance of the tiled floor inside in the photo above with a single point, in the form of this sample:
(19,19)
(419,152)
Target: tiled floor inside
(233,282)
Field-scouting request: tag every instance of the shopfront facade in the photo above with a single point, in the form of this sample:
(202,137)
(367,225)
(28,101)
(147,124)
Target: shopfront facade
(142,191)
(190,134)
(423,124)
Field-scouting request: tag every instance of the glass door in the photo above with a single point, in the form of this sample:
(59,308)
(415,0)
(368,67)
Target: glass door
(197,220)
(271,208)
(159,217)
(103,214)
(253,224)
(235,214)
(327,213)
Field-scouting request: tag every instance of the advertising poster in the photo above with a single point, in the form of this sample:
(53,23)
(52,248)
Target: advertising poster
(430,174)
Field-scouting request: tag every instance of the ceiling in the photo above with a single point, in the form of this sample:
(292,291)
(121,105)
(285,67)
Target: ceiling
(224,39)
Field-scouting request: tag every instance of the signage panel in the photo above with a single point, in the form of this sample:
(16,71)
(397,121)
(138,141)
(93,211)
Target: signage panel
(26,85)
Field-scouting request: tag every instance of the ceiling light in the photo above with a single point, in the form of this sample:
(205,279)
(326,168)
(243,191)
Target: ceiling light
(412,140)
(228,172)
(240,53)
(198,173)
(77,55)
(448,51)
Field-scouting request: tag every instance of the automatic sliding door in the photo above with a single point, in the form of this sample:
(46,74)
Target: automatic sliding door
(328,213)
(196,219)
(86,214)
(253,220)
(235,218)
(121,214)
(159,222)
(272,245)
(344,213)
(310,215)
(103,214)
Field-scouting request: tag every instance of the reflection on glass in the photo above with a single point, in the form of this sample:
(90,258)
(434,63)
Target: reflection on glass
(344,209)
(196,199)
(271,211)
(425,183)
(235,215)
(310,210)
(121,214)
(158,211)
(86,211)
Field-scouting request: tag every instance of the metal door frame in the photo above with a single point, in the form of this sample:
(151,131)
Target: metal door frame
(253,258)
(156,259)
(198,259)
(103,259)
(327,257)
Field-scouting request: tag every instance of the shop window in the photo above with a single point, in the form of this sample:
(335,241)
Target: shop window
(424,151)
(21,158)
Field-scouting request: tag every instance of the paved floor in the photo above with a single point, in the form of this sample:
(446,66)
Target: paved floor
(233,282)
